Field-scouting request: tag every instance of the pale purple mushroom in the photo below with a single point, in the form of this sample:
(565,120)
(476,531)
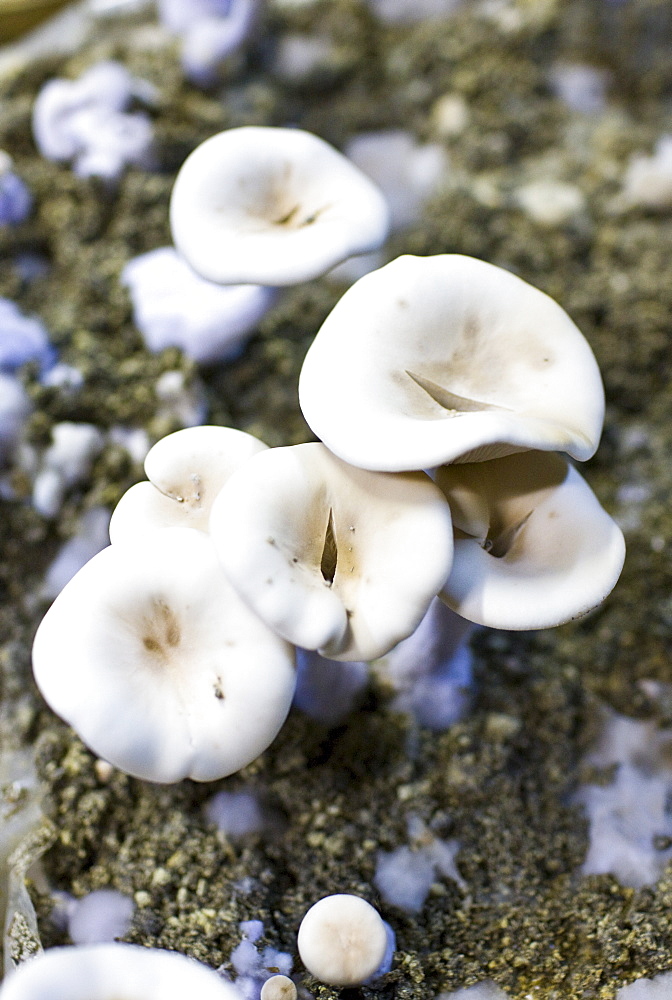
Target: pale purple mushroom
(16,200)
(210,31)
(174,306)
(23,339)
(87,121)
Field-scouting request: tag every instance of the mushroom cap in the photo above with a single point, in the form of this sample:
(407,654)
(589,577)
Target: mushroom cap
(186,469)
(446,359)
(332,557)
(272,206)
(342,940)
(114,971)
(149,654)
(533,546)
(278,988)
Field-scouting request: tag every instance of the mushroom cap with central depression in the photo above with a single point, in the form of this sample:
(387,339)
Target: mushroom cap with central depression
(186,471)
(332,557)
(150,655)
(272,206)
(533,546)
(448,358)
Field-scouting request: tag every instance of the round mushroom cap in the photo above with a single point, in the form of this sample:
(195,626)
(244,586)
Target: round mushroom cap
(149,654)
(332,557)
(448,358)
(272,206)
(342,940)
(278,988)
(114,971)
(533,546)
(186,469)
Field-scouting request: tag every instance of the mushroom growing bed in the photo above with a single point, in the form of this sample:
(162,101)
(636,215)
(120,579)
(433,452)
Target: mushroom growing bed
(522,133)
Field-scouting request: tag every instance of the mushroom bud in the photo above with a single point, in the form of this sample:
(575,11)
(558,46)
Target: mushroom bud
(342,940)
(149,654)
(272,206)
(278,988)
(332,557)
(448,359)
(533,546)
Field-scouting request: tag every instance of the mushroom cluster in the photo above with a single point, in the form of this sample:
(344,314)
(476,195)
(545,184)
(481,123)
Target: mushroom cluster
(460,367)
(439,471)
(148,652)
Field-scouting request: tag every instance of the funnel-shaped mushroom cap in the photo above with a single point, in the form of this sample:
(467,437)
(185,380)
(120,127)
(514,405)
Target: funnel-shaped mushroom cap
(533,546)
(332,557)
(272,206)
(153,659)
(186,469)
(445,359)
(114,971)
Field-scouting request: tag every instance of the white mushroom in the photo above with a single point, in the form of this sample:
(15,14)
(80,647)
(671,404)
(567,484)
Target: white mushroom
(332,557)
(272,206)
(114,971)
(533,546)
(152,658)
(342,940)
(447,358)
(186,469)
(278,988)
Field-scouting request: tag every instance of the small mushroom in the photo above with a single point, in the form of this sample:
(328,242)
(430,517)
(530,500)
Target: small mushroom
(446,359)
(278,988)
(332,557)
(186,469)
(342,940)
(149,654)
(533,546)
(272,206)
(114,971)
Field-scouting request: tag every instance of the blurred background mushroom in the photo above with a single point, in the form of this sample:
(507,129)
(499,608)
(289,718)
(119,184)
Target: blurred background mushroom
(272,206)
